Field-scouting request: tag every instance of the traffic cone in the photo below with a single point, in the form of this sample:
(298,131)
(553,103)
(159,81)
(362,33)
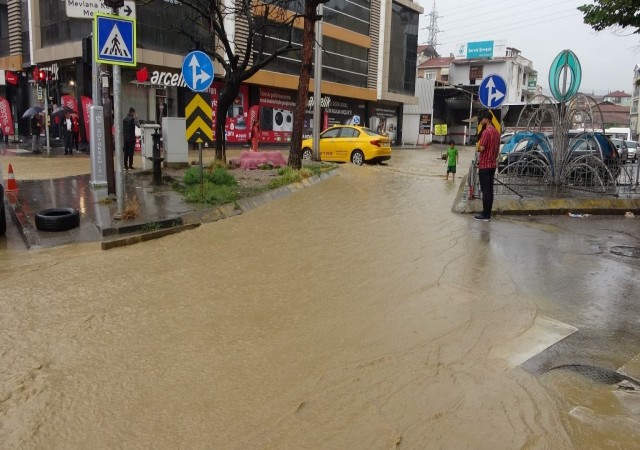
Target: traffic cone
(11,182)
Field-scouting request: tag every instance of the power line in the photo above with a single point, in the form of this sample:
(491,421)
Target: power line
(495,18)
(528,23)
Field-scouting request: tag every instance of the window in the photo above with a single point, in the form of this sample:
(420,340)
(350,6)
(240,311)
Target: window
(332,133)
(349,133)
(403,50)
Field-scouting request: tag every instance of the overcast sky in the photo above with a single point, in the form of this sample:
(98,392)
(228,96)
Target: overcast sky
(540,30)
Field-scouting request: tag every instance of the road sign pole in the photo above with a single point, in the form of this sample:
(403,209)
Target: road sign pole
(317,87)
(119,157)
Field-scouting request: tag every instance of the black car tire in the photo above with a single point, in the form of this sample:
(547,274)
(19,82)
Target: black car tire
(357,157)
(57,219)
(307,153)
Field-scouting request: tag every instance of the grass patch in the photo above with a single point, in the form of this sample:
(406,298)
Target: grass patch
(212,194)
(219,186)
(286,175)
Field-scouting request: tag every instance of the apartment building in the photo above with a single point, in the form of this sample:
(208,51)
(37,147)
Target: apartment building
(369,65)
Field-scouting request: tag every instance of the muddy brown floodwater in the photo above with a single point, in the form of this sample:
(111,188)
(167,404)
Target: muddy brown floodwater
(359,313)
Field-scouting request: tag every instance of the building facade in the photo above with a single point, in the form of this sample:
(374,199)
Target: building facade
(369,65)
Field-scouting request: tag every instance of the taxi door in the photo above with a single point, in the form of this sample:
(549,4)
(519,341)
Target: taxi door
(346,144)
(329,141)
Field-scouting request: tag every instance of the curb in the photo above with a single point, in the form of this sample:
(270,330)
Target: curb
(130,240)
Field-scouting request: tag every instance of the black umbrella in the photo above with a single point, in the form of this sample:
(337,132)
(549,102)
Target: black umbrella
(32,111)
(62,111)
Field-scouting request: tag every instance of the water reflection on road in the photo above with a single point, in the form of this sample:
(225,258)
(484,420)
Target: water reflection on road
(358,313)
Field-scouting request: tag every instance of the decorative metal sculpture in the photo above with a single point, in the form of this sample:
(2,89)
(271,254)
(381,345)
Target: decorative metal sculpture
(575,154)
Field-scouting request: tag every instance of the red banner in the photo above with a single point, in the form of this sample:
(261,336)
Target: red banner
(69,102)
(86,104)
(237,127)
(6,119)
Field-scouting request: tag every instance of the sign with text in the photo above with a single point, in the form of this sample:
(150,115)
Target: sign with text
(425,124)
(85,9)
(98,147)
(481,50)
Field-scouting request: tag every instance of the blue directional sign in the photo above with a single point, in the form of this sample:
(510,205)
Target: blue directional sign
(197,71)
(116,40)
(492,91)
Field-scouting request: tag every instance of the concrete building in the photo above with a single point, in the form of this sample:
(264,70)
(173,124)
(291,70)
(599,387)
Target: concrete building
(369,71)
(619,98)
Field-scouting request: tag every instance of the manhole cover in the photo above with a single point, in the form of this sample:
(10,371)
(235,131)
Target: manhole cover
(630,252)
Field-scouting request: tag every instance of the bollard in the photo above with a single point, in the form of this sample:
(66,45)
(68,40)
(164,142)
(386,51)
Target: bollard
(157,159)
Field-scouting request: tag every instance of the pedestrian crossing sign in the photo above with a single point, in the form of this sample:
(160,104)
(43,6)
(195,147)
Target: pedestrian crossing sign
(114,40)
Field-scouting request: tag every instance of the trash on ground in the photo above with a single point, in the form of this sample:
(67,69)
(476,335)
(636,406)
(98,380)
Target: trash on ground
(629,215)
(579,216)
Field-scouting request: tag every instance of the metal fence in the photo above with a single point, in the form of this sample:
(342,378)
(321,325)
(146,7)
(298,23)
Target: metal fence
(531,180)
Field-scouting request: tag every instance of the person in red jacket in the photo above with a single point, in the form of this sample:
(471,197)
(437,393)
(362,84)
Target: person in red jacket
(75,130)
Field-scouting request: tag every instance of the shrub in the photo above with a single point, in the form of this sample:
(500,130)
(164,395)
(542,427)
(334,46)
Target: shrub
(221,176)
(191,176)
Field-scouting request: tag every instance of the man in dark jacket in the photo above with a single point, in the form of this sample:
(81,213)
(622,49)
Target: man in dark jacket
(129,125)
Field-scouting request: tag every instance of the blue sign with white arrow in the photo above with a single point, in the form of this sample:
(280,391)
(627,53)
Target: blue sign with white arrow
(116,40)
(197,71)
(492,91)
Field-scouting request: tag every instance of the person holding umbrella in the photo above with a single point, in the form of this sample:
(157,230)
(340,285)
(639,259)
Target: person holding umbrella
(36,127)
(67,128)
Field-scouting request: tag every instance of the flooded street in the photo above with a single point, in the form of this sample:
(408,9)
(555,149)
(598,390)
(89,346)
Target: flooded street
(358,313)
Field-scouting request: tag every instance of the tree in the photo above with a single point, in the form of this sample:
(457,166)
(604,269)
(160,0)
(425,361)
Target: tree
(308,41)
(206,24)
(607,13)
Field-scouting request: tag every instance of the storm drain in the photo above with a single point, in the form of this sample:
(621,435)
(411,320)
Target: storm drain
(629,252)
(596,374)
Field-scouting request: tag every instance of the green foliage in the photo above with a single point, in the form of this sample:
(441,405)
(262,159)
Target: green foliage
(286,175)
(215,175)
(606,13)
(152,226)
(212,194)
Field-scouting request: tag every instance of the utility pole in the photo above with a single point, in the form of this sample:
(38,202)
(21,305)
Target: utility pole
(317,86)
(433,27)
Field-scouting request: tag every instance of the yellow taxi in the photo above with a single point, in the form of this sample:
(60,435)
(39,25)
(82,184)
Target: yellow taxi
(350,143)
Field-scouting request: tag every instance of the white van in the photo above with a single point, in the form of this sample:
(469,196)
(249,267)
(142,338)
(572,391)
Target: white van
(619,133)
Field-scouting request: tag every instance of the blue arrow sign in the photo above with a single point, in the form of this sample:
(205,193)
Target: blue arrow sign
(492,91)
(197,71)
(116,40)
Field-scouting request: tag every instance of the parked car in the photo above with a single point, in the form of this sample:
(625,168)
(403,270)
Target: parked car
(518,143)
(632,147)
(623,151)
(3,217)
(350,143)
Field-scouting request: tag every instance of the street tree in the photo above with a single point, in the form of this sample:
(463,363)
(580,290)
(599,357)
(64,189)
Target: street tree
(607,13)
(310,17)
(238,34)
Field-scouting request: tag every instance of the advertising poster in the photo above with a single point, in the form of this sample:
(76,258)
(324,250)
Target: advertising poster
(384,120)
(276,115)
(86,105)
(237,127)
(425,124)
(345,112)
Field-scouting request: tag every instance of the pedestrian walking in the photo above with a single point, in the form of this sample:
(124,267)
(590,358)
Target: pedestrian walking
(67,129)
(36,129)
(452,160)
(129,125)
(488,147)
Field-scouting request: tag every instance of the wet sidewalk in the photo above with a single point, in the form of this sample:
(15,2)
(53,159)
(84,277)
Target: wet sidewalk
(59,181)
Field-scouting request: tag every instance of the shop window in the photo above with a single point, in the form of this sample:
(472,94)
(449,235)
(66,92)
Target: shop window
(403,50)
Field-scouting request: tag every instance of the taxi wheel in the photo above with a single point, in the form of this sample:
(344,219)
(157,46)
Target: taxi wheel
(307,153)
(357,157)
